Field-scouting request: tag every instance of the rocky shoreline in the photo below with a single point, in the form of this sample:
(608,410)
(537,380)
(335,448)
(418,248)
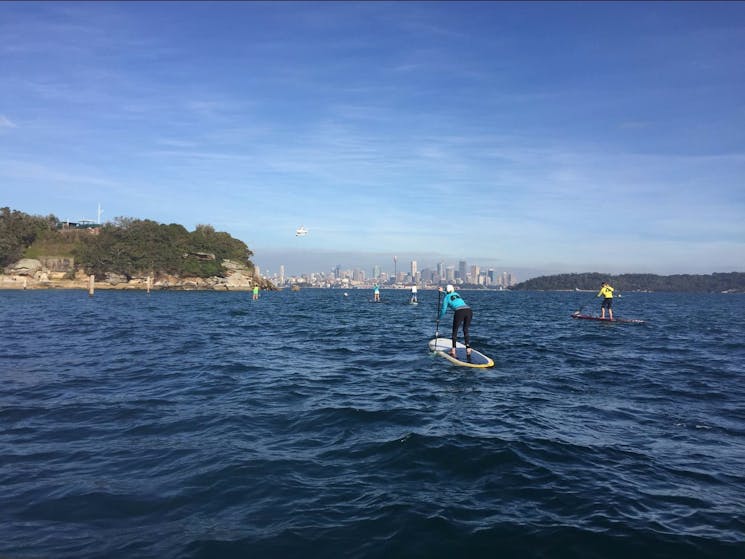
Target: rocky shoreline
(33,274)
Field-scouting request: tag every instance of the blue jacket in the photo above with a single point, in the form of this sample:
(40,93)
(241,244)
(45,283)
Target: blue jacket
(452,300)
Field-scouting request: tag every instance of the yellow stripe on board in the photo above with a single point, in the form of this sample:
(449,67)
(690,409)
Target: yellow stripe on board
(489,363)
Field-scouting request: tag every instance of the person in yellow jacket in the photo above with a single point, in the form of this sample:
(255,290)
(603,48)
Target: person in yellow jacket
(606,291)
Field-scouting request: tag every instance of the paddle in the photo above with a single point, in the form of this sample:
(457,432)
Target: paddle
(579,311)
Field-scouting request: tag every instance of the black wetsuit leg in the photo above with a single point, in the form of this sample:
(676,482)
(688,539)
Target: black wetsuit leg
(466,326)
(462,316)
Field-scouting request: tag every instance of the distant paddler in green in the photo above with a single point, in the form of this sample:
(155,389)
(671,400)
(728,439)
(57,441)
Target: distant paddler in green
(606,292)
(376,293)
(256,292)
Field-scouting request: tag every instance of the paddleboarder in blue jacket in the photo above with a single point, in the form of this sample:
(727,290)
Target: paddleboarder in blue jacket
(462,315)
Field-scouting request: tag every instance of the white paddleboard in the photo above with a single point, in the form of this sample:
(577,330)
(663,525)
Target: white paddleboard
(442,347)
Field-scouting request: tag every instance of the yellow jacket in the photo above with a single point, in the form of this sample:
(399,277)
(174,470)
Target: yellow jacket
(605,291)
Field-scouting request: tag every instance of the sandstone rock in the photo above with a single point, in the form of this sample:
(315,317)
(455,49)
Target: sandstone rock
(200,255)
(58,263)
(24,267)
(58,272)
(116,279)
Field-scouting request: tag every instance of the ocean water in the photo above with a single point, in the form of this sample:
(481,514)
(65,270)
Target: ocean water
(314,424)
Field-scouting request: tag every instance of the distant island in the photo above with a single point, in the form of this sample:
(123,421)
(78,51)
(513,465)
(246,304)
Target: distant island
(45,252)
(731,282)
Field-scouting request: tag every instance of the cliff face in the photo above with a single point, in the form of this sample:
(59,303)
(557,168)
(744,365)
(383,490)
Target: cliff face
(52,272)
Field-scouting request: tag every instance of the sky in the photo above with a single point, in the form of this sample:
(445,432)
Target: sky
(529,137)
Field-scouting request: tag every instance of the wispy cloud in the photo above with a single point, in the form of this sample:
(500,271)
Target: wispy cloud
(36,172)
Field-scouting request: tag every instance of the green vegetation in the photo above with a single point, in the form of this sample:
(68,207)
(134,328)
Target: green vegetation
(130,247)
(18,231)
(51,243)
(713,283)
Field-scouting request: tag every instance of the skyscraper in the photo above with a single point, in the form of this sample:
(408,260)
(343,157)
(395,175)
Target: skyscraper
(413,270)
(475,273)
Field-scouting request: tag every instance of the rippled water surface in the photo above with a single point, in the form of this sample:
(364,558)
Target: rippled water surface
(314,424)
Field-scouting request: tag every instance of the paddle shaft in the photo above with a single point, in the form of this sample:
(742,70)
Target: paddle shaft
(579,311)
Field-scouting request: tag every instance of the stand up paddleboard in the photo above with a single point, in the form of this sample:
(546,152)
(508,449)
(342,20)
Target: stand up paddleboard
(627,320)
(442,347)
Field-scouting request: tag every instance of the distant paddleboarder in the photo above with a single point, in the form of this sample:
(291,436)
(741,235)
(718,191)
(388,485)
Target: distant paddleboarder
(256,292)
(463,315)
(413,295)
(376,293)
(606,292)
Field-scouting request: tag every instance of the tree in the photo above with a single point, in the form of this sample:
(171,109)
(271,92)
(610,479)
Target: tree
(126,246)
(714,283)
(17,231)
(134,247)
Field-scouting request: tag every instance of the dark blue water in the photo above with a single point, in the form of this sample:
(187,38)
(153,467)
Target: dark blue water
(311,424)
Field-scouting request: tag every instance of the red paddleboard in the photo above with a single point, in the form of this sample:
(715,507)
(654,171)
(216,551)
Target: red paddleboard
(588,317)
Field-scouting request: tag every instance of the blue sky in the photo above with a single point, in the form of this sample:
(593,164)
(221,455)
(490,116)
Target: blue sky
(530,137)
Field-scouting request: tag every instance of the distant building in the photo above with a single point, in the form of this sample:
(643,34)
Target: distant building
(506,279)
(475,273)
(83,224)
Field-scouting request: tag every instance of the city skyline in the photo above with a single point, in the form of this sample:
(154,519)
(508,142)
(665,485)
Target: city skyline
(437,274)
(304,263)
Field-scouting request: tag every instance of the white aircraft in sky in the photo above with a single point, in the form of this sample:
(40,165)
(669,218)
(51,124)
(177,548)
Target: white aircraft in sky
(301,231)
